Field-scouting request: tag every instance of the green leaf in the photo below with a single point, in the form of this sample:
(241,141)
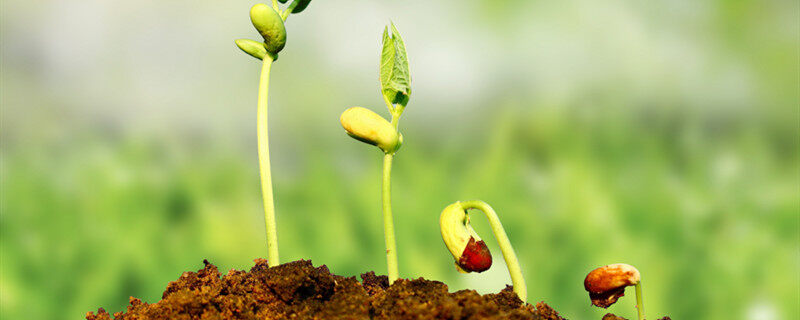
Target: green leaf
(300,6)
(395,76)
(282,1)
(402,73)
(387,65)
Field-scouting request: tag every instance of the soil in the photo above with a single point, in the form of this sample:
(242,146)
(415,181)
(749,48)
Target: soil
(298,290)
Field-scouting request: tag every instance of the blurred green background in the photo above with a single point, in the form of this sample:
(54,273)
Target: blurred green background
(663,134)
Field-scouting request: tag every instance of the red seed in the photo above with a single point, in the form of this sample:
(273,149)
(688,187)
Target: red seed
(476,257)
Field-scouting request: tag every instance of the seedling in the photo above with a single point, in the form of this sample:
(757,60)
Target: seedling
(469,251)
(269,22)
(607,283)
(369,127)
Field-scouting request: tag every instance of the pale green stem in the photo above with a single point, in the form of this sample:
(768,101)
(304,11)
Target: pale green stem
(505,246)
(263,164)
(285,14)
(395,119)
(388,222)
(639,304)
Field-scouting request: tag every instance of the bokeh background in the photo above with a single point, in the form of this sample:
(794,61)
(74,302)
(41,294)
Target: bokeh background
(663,134)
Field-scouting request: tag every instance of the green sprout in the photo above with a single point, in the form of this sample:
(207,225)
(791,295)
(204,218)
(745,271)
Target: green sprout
(607,284)
(470,252)
(269,22)
(367,126)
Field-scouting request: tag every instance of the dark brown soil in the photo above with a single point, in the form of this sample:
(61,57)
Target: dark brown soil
(297,290)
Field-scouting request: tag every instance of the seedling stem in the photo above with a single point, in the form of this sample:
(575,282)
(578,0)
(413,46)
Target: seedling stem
(639,305)
(388,222)
(264,166)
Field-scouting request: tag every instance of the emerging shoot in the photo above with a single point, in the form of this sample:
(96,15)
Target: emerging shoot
(367,126)
(269,22)
(469,251)
(607,284)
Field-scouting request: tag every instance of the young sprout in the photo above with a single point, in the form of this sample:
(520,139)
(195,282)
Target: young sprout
(268,21)
(607,283)
(469,251)
(367,126)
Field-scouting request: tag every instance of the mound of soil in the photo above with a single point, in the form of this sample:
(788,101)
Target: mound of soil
(297,290)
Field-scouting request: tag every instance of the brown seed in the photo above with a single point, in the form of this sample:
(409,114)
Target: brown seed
(607,283)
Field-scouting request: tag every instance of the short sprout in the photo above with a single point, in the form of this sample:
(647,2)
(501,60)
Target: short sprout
(607,284)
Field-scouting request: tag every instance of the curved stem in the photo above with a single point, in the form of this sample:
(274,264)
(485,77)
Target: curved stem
(505,246)
(639,304)
(263,164)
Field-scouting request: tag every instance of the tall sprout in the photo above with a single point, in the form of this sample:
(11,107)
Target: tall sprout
(367,126)
(269,22)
